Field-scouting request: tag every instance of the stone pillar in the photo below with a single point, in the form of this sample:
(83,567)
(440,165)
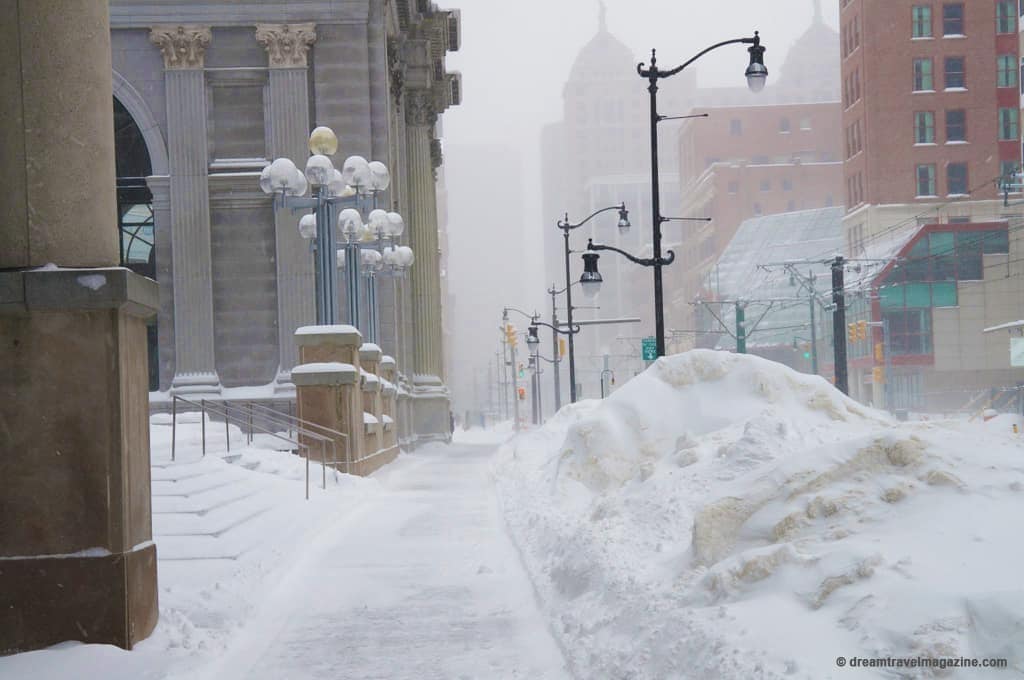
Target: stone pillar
(328,347)
(431,397)
(369,360)
(287,48)
(77,561)
(183,48)
(389,394)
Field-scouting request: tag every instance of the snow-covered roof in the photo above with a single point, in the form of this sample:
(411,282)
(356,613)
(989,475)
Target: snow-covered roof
(369,419)
(805,235)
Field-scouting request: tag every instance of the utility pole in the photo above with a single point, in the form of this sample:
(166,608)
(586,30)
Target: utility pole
(839,325)
(554,351)
(814,331)
(741,328)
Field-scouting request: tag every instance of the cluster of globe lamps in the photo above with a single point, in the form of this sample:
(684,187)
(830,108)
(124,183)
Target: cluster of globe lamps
(370,245)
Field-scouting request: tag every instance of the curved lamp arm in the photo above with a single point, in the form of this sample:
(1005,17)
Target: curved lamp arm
(552,291)
(566,225)
(519,311)
(572,331)
(643,261)
(541,356)
(655,73)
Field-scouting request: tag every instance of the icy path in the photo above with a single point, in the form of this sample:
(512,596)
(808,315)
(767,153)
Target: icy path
(421,582)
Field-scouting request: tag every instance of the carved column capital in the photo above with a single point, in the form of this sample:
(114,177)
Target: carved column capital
(287,45)
(420,108)
(183,46)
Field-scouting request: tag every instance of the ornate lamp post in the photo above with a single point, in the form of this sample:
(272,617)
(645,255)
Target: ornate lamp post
(756,74)
(566,226)
(357,180)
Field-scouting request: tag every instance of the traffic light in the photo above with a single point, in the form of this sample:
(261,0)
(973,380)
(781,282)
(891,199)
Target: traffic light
(561,348)
(522,394)
(510,335)
(878,375)
(862,330)
(522,371)
(851,332)
(879,352)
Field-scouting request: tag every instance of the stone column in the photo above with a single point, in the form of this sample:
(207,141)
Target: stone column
(287,48)
(420,116)
(183,48)
(430,396)
(77,561)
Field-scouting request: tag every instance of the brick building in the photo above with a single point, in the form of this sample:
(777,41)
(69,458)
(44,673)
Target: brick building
(931,117)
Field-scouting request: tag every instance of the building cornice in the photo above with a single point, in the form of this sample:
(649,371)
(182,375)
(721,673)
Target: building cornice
(139,14)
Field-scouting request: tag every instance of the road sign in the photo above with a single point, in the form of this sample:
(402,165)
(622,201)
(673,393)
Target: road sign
(649,348)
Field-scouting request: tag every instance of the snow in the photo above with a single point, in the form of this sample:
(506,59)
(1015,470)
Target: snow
(723,516)
(407,574)
(323,367)
(92,281)
(334,329)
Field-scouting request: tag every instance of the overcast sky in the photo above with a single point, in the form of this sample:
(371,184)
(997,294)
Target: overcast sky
(515,58)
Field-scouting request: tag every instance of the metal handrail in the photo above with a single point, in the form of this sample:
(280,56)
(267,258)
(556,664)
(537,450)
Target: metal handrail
(278,418)
(222,408)
(291,420)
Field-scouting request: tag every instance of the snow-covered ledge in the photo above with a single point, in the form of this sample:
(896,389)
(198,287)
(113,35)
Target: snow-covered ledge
(325,373)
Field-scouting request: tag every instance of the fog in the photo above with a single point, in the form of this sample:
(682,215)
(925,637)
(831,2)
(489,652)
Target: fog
(515,59)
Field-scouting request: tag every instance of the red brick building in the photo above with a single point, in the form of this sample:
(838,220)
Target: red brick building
(931,109)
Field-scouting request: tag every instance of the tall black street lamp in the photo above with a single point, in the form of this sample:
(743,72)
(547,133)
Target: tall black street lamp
(533,340)
(756,75)
(566,226)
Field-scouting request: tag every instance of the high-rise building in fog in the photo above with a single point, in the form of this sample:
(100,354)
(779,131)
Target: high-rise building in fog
(596,156)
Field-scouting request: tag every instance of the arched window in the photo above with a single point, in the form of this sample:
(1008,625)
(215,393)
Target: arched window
(135,212)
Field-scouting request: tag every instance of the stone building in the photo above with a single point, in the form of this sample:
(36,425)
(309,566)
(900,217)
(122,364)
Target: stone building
(206,94)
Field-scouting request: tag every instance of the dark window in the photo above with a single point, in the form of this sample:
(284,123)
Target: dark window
(766,185)
(1008,123)
(926,180)
(968,256)
(735,127)
(787,185)
(956,173)
(955,76)
(1006,70)
(922,19)
(956,125)
(784,125)
(923,75)
(909,331)
(953,19)
(1006,18)
(996,242)
(924,127)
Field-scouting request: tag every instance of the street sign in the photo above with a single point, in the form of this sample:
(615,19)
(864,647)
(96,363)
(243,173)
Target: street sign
(649,348)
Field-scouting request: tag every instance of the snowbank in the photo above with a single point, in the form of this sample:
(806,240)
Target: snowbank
(724,516)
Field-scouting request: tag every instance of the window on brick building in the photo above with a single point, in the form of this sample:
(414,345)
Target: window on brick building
(926,180)
(784,125)
(956,177)
(757,209)
(787,185)
(1006,17)
(1009,124)
(924,127)
(734,187)
(955,76)
(1006,70)
(766,185)
(923,74)
(956,125)
(805,123)
(735,127)
(790,205)
(953,18)
(922,20)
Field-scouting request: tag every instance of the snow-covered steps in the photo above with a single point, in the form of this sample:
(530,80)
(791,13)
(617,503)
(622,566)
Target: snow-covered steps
(213,509)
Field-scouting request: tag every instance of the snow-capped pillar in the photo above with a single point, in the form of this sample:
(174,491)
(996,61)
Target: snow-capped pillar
(324,393)
(183,48)
(288,123)
(390,394)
